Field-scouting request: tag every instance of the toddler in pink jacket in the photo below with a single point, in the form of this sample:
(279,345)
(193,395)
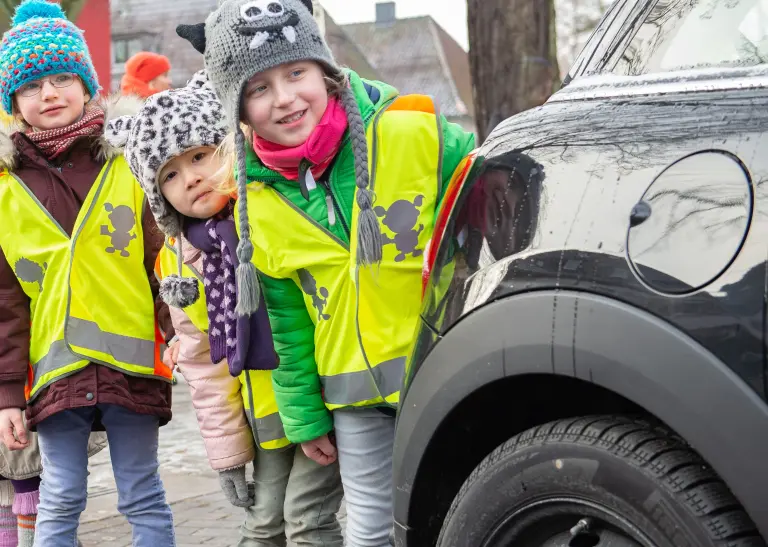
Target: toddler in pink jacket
(226,359)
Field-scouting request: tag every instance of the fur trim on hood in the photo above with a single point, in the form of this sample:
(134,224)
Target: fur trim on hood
(114,106)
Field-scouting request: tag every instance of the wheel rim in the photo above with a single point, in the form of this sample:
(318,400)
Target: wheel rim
(565,522)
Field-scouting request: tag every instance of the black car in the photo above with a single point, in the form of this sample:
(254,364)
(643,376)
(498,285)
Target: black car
(590,368)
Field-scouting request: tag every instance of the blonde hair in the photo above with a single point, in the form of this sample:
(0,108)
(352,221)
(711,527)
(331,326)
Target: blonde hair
(224,178)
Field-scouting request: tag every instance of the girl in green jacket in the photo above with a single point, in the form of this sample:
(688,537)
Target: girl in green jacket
(338,182)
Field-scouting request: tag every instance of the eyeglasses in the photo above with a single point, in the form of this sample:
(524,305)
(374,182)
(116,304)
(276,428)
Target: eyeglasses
(65,79)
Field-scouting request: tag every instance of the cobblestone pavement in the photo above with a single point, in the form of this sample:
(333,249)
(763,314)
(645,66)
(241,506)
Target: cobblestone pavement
(203,520)
(202,514)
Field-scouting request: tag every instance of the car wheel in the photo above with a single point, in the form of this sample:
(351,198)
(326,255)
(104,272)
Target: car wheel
(596,482)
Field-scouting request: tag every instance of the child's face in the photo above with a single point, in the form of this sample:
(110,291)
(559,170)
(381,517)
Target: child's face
(161,83)
(186,183)
(52,101)
(284,104)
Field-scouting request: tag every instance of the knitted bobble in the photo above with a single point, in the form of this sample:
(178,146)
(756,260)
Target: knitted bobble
(176,290)
(248,290)
(369,240)
(179,292)
(37,9)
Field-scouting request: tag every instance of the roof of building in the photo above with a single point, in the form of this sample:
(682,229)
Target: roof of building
(155,21)
(416,55)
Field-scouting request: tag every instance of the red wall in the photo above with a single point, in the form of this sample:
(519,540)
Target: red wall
(95,22)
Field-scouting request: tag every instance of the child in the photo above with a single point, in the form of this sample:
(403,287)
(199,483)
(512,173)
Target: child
(146,73)
(77,312)
(294,498)
(19,490)
(341,273)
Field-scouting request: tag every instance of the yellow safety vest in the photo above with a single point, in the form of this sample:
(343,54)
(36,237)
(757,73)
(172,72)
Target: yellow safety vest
(90,299)
(365,318)
(256,385)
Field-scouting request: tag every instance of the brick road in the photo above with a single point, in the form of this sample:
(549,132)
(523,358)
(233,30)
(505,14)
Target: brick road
(204,520)
(202,514)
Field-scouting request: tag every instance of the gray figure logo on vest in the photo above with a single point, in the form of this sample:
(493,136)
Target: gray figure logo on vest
(30,272)
(401,218)
(319,296)
(123,220)
(267,21)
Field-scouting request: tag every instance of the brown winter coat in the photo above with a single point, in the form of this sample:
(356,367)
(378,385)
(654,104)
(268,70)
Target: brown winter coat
(62,189)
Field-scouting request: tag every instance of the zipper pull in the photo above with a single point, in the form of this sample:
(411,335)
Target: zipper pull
(304,169)
(331,210)
(310,180)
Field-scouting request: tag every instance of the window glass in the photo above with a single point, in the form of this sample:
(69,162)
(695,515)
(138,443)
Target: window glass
(685,34)
(125,48)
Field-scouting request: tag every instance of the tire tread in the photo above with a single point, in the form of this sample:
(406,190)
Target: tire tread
(651,447)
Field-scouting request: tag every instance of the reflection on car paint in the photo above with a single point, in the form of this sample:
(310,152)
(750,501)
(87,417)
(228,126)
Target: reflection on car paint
(550,203)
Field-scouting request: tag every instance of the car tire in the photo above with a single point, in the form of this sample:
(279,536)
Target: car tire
(592,481)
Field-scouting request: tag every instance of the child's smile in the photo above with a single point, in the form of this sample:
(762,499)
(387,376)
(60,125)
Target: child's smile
(284,104)
(293,118)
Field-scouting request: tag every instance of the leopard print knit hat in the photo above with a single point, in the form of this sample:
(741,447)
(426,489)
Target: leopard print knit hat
(169,124)
(242,38)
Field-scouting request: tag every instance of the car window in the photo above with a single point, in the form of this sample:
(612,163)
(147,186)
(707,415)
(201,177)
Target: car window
(695,34)
(593,44)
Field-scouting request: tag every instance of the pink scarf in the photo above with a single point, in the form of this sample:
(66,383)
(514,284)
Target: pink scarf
(320,148)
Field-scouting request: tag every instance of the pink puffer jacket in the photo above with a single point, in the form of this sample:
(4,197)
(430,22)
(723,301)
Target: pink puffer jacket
(215,394)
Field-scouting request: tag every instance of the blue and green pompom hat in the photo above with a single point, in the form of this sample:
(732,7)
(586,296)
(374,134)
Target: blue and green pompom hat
(42,42)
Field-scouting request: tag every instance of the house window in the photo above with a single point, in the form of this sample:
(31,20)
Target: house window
(125,48)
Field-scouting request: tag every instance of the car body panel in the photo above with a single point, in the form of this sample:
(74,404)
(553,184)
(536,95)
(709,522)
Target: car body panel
(615,235)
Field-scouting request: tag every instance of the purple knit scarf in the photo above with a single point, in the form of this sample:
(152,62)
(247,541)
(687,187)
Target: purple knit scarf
(246,342)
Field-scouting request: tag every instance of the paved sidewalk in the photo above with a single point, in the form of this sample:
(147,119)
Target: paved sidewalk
(205,520)
(202,514)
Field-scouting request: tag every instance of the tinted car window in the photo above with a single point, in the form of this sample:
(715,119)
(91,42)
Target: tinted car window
(685,34)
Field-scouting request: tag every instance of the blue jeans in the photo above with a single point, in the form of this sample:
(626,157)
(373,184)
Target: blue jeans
(365,440)
(133,440)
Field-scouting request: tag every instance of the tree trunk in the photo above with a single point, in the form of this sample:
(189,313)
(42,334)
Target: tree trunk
(7,7)
(513,57)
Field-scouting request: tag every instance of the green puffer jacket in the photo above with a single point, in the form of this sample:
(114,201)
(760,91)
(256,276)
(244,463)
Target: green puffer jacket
(296,382)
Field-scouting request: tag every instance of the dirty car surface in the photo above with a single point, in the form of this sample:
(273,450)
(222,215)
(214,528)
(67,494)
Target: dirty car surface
(605,254)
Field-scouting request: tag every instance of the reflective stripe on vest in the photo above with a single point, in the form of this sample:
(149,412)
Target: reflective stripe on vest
(256,385)
(90,299)
(365,318)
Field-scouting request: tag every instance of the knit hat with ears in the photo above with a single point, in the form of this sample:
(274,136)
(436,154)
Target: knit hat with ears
(245,37)
(169,124)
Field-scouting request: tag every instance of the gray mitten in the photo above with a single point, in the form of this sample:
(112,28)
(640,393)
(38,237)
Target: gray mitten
(235,487)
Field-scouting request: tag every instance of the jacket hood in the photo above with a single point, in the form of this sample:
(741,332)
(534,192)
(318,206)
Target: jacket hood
(114,106)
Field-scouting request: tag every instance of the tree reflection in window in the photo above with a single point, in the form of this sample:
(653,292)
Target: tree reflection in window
(686,34)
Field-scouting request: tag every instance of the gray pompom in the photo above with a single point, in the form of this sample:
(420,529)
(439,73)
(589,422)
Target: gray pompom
(179,292)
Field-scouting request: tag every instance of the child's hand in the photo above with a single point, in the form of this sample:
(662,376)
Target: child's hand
(171,356)
(321,450)
(12,429)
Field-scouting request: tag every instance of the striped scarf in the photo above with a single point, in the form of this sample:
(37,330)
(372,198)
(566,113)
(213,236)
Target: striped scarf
(52,142)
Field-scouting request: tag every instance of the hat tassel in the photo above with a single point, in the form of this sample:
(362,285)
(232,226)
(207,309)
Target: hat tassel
(248,289)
